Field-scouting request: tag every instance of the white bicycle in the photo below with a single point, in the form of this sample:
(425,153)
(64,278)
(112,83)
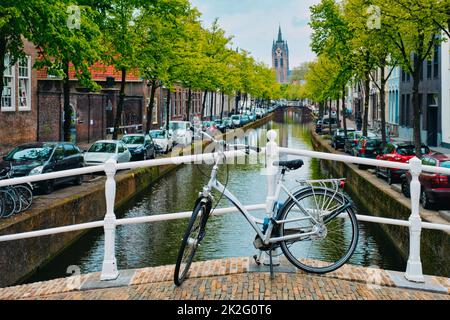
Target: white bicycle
(316,227)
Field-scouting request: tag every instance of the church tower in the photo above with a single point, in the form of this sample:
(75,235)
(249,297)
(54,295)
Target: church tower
(280,58)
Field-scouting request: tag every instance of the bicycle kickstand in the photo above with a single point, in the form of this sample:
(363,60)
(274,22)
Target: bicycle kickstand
(272,273)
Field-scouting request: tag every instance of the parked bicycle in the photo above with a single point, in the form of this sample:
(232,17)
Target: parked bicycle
(315,216)
(14,199)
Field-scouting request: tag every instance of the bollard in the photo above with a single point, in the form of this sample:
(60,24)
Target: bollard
(414,267)
(109,269)
(271,156)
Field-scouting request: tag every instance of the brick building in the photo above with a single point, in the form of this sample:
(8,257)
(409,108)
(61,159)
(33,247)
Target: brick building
(18,108)
(32,104)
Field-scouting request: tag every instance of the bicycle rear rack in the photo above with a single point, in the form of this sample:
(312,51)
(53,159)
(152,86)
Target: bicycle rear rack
(330,189)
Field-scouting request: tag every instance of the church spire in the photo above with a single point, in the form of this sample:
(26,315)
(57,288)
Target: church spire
(280,36)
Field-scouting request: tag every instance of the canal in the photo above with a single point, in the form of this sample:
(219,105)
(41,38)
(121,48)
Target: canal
(155,244)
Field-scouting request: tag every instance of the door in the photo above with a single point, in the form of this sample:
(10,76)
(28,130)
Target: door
(60,162)
(432,126)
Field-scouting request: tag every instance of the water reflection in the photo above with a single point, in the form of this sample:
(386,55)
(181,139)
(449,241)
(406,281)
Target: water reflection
(155,244)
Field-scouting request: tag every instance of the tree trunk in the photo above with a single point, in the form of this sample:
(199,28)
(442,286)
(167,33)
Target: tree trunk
(366,104)
(204,104)
(188,109)
(238,97)
(383,106)
(66,97)
(223,103)
(338,111)
(329,115)
(120,105)
(211,107)
(344,110)
(151,105)
(169,96)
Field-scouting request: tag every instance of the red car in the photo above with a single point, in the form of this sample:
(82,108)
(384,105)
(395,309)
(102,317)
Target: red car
(435,188)
(397,152)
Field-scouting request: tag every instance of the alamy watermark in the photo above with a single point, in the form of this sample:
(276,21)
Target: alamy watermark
(74,281)
(374,21)
(74,18)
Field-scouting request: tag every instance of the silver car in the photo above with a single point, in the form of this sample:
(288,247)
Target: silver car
(103,150)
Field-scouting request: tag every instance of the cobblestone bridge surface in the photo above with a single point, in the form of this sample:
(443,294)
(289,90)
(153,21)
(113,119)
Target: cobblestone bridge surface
(235,279)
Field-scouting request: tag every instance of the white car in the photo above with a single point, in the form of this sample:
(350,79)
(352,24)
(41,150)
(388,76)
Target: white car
(181,132)
(162,139)
(103,150)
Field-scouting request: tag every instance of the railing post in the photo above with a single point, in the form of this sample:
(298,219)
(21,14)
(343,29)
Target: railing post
(109,269)
(414,267)
(271,172)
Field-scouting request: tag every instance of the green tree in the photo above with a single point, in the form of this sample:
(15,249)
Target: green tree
(413,32)
(121,34)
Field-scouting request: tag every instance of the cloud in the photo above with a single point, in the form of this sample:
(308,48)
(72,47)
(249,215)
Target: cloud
(254,25)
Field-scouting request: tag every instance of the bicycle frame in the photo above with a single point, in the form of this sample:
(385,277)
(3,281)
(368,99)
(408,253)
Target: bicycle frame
(267,237)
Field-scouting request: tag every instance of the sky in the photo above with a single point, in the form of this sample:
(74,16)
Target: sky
(254,25)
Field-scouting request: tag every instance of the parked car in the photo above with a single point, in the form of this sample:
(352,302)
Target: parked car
(182,132)
(397,152)
(435,188)
(325,123)
(162,139)
(225,124)
(252,116)
(352,141)
(141,146)
(103,150)
(368,147)
(319,126)
(236,120)
(245,119)
(209,126)
(338,138)
(44,157)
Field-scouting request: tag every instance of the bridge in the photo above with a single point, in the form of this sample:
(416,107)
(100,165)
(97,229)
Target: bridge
(235,278)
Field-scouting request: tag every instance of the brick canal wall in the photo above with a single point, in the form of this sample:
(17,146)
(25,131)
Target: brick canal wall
(74,205)
(375,197)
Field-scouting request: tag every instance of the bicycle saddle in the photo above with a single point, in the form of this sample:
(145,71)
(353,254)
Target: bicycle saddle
(290,165)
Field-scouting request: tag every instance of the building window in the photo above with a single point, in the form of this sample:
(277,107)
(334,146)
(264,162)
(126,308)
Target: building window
(276,63)
(281,62)
(407,113)
(25,83)
(429,69)
(8,95)
(436,62)
(155,112)
(403,76)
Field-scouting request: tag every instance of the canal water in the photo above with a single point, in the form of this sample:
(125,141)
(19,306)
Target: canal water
(155,244)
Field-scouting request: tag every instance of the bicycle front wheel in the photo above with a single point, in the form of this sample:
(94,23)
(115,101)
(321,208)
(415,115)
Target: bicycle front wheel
(191,240)
(329,248)
(7,204)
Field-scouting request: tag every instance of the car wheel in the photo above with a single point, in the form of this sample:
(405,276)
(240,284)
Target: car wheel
(424,200)
(48,187)
(78,181)
(406,188)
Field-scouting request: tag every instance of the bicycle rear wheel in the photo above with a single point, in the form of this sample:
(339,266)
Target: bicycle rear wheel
(7,204)
(25,195)
(191,240)
(333,246)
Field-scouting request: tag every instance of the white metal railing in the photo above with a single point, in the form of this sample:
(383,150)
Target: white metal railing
(272,151)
